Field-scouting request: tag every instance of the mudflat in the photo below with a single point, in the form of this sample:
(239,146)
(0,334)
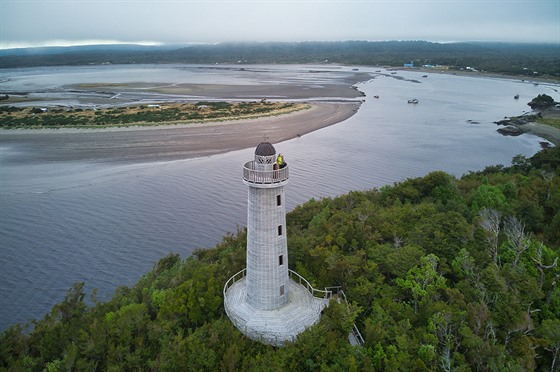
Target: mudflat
(225,91)
(164,143)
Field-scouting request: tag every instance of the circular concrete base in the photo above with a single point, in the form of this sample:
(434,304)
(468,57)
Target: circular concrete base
(273,327)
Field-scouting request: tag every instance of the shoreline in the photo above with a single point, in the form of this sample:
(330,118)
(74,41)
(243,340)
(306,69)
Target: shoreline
(167,142)
(518,125)
(136,143)
(478,74)
(547,132)
(544,131)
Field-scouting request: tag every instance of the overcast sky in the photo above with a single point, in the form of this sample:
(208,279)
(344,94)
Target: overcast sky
(72,22)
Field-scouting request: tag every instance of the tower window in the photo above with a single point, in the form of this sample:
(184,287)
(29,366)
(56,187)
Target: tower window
(278,200)
(281,260)
(279,230)
(282,290)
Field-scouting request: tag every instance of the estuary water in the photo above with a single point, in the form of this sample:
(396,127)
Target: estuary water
(107,224)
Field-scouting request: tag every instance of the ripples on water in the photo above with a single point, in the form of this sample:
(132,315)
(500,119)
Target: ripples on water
(108,224)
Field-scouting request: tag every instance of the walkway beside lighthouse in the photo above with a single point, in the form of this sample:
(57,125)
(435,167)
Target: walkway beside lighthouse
(273,326)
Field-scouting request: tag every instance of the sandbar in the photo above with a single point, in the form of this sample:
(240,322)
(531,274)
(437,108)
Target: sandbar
(226,91)
(165,143)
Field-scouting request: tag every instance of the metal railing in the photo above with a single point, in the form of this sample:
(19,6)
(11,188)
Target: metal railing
(328,293)
(358,335)
(303,282)
(253,175)
(336,290)
(355,331)
(292,274)
(231,281)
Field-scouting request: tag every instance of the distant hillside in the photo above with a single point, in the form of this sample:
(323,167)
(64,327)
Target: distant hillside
(518,59)
(86,49)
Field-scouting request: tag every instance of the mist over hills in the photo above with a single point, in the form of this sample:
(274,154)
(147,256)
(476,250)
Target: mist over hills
(49,50)
(511,58)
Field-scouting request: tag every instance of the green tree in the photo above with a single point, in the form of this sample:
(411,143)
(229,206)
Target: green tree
(550,332)
(488,196)
(423,280)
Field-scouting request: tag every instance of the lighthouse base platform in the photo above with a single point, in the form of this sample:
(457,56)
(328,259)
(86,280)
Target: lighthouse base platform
(273,327)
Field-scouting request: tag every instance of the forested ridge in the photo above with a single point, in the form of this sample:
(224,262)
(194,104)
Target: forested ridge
(441,273)
(523,59)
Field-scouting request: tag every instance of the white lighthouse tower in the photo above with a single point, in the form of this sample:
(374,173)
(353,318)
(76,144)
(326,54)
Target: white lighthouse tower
(267,301)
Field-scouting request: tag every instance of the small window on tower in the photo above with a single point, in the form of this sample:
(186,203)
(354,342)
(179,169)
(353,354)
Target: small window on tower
(278,200)
(281,260)
(282,290)
(279,230)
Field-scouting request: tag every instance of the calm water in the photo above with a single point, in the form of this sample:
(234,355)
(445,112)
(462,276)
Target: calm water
(108,224)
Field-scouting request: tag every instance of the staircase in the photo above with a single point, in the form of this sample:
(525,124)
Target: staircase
(355,337)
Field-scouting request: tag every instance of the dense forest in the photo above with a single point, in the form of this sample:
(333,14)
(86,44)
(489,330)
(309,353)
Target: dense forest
(440,274)
(511,58)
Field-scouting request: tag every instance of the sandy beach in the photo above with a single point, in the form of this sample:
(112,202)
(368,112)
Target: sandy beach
(164,143)
(545,131)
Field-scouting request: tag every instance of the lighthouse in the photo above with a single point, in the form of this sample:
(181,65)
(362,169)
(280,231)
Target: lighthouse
(267,301)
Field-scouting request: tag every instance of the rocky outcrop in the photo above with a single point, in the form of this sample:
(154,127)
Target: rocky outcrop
(511,130)
(542,101)
(514,126)
(517,120)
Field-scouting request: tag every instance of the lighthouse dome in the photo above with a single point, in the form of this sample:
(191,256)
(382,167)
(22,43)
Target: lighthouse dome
(265,155)
(265,149)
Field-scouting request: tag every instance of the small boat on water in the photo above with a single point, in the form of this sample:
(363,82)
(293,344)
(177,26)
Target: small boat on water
(414,100)
(516,96)
(375,96)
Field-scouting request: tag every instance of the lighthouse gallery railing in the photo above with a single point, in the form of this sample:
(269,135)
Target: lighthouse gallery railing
(295,276)
(253,175)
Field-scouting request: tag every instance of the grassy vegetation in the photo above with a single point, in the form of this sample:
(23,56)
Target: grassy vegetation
(18,117)
(553,122)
